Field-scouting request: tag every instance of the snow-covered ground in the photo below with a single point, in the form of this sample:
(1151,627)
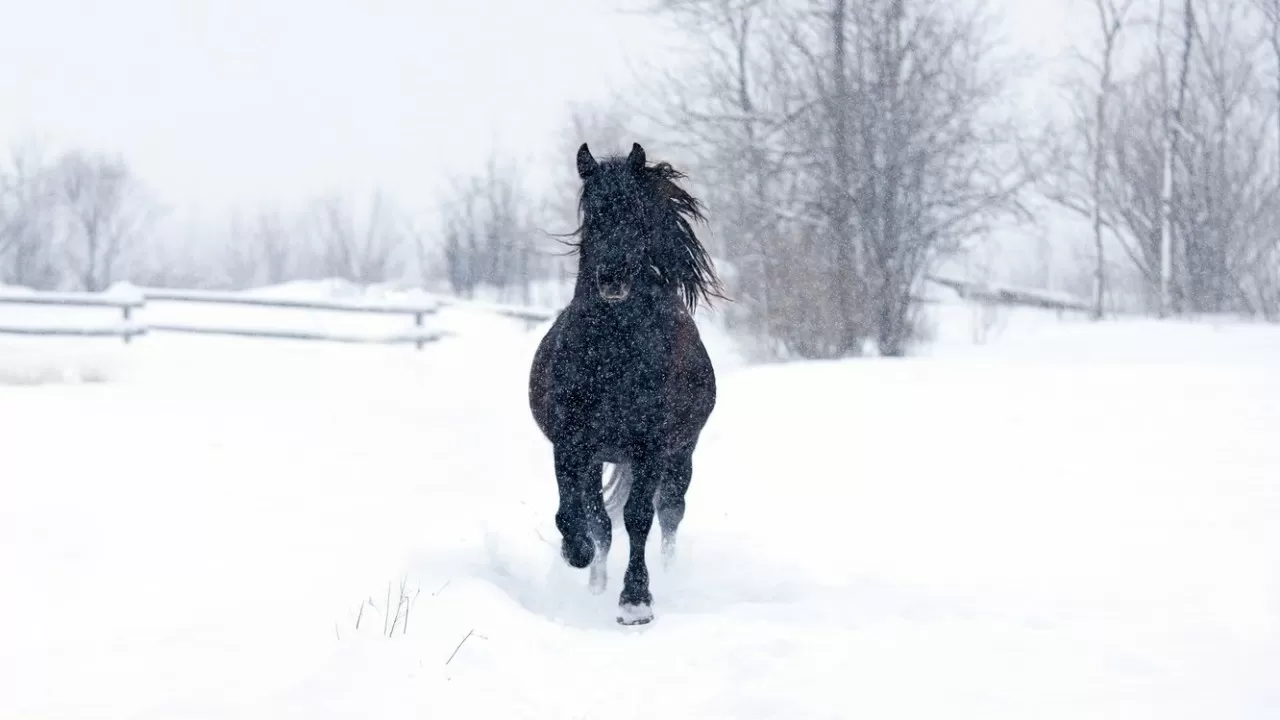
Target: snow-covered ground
(1064,520)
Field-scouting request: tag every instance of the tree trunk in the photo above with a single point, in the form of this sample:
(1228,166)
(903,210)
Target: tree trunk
(1099,158)
(845,250)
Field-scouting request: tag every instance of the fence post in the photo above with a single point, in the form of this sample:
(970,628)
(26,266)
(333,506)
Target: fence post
(128,335)
(417,324)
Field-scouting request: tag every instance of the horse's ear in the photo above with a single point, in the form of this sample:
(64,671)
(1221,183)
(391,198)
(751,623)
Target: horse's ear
(586,163)
(636,158)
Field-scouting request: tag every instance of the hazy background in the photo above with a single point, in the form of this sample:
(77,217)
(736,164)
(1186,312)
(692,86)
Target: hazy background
(236,101)
(390,138)
(227,103)
(233,101)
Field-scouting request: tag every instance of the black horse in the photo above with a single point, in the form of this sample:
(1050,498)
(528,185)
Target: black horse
(622,376)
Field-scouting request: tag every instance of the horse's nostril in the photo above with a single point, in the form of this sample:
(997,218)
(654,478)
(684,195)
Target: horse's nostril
(615,291)
(612,283)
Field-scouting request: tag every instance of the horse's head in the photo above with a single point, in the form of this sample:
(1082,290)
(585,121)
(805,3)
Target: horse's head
(636,230)
(618,221)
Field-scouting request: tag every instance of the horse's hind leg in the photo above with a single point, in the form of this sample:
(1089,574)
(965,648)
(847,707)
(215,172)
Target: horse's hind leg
(669,502)
(600,529)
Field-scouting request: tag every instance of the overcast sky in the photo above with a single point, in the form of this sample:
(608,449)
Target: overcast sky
(231,101)
(234,99)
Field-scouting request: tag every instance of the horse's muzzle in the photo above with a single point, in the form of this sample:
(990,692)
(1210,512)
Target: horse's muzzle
(613,286)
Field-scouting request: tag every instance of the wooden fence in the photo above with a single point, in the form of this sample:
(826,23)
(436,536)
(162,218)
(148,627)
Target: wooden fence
(127,305)
(417,334)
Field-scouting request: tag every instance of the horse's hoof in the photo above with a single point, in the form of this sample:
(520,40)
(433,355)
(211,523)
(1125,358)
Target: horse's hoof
(577,552)
(635,614)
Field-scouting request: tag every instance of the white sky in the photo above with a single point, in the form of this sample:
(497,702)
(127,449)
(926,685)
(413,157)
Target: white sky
(218,100)
(233,101)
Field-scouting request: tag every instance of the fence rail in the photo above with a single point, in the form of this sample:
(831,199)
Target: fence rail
(997,294)
(419,338)
(125,332)
(532,315)
(417,334)
(76,299)
(201,296)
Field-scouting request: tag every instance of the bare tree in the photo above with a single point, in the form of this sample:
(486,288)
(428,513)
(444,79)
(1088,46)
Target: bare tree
(104,214)
(1112,18)
(178,254)
(855,147)
(355,246)
(1228,213)
(1197,166)
(1184,171)
(841,192)
(739,115)
(1172,130)
(1265,260)
(462,230)
(1080,168)
(27,220)
(1270,10)
(488,237)
(729,118)
(262,250)
(747,115)
(936,163)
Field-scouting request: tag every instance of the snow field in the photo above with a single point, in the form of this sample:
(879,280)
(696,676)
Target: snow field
(1068,521)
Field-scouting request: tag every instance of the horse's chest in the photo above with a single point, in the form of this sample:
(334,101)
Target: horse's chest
(623,414)
(619,378)
(617,387)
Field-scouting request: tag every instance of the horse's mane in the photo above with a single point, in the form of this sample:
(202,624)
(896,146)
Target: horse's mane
(676,252)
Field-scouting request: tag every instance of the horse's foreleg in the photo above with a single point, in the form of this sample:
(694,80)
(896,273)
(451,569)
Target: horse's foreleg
(572,467)
(635,603)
